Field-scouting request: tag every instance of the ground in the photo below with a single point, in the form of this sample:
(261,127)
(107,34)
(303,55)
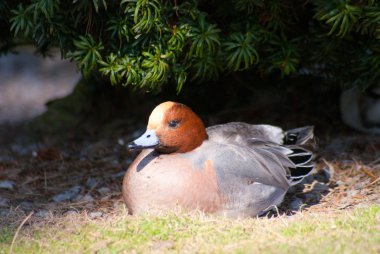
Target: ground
(71,195)
(65,196)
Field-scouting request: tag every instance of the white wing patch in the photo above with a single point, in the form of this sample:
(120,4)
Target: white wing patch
(275,134)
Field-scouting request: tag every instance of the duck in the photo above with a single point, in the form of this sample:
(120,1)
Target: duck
(234,169)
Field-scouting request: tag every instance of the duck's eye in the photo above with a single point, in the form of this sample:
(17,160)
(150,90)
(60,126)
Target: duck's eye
(173,123)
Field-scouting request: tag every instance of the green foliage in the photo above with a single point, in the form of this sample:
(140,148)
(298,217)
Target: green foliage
(286,56)
(87,53)
(149,43)
(205,38)
(340,15)
(21,21)
(240,50)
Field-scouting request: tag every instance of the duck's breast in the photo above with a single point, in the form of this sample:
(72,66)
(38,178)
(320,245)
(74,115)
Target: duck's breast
(156,182)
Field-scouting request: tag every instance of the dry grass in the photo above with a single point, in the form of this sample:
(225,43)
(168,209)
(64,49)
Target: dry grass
(349,231)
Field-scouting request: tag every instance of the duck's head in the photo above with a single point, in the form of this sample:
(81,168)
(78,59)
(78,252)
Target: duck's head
(172,128)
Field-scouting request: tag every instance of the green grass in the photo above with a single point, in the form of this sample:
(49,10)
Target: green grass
(354,231)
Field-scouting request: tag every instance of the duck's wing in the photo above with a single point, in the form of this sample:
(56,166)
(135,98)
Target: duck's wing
(268,165)
(257,162)
(241,133)
(301,157)
(254,177)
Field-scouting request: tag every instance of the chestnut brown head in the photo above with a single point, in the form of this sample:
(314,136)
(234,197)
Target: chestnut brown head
(172,128)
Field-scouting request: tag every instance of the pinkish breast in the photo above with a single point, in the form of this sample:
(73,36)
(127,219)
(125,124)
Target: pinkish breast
(169,181)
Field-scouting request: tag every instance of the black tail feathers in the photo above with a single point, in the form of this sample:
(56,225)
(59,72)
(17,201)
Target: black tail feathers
(299,136)
(303,159)
(301,142)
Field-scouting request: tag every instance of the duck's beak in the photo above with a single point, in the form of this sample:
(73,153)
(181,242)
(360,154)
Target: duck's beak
(148,140)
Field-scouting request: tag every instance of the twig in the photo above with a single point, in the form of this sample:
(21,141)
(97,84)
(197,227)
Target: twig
(373,182)
(18,230)
(367,172)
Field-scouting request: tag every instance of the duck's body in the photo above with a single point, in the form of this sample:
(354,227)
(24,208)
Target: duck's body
(237,170)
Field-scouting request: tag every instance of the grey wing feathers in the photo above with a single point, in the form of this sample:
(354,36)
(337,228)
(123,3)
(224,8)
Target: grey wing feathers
(255,163)
(265,165)
(262,146)
(298,160)
(243,132)
(258,176)
(302,159)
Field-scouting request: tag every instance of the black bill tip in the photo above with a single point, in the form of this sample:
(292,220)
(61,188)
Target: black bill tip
(132,146)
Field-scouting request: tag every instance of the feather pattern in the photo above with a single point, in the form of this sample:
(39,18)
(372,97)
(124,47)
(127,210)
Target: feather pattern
(254,168)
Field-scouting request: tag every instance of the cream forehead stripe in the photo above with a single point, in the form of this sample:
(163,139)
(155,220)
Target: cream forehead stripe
(158,113)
